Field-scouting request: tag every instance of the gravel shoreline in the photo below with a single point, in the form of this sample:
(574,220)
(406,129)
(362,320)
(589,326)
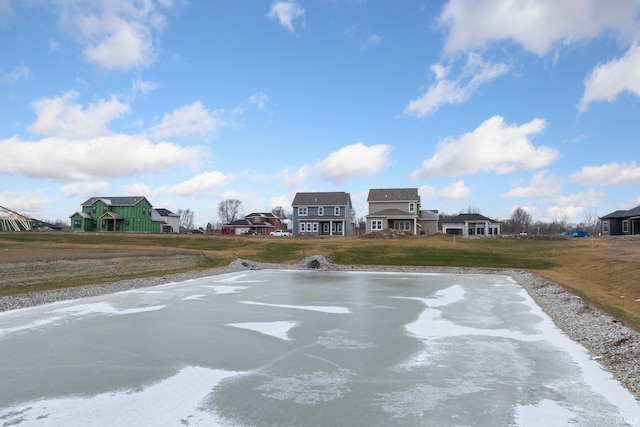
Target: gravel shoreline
(611,343)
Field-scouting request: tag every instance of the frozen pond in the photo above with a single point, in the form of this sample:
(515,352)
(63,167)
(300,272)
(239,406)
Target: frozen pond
(298,348)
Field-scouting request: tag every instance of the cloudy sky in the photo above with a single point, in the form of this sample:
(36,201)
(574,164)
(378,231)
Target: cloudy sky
(482,104)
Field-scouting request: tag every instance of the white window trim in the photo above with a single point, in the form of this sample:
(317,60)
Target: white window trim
(412,207)
(336,211)
(376,224)
(315,227)
(320,210)
(303,211)
(625,226)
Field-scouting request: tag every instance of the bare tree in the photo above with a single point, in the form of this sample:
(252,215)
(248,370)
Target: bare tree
(280,212)
(591,221)
(229,210)
(186,218)
(521,220)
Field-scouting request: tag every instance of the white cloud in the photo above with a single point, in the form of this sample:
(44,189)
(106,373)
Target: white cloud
(609,174)
(285,12)
(351,161)
(536,25)
(453,191)
(290,177)
(115,35)
(474,73)
(21,72)
(200,184)
(493,146)
(27,202)
(190,119)
(61,117)
(541,185)
(589,198)
(562,213)
(259,100)
(98,158)
(609,80)
(141,87)
(355,160)
(85,189)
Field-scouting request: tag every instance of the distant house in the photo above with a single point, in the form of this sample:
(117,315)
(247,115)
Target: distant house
(260,223)
(132,214)
(171,220)
(399,209)
(621,223)
(322,214)
(471,224)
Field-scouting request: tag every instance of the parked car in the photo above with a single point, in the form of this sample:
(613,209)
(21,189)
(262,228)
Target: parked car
(197,231)
(579,234)
(280,233)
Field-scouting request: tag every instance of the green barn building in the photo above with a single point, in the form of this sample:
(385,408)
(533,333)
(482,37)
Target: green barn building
(128,214)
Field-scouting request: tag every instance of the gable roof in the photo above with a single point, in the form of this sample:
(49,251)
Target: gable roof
(393,194)
(165,212)
(338,198)
(259,214)
(470,217)
(623,214)
(116,201)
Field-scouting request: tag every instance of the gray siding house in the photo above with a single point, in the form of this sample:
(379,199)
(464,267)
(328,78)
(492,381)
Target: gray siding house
(621,223)
(399,209)
(472,224)
(322,214)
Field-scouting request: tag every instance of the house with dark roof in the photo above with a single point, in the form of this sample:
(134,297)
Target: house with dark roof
(621,223)
(399,209)
(323,214)
(171,220)
(132,214)
(471,224)
(259,223)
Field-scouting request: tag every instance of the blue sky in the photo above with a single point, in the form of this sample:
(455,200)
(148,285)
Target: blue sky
(481,104)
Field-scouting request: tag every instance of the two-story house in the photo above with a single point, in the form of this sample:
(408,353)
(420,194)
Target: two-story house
(399,209)
(259,223)
(322,214)
(133,214)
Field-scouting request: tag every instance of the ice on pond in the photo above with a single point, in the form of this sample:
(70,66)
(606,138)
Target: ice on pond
(304,348)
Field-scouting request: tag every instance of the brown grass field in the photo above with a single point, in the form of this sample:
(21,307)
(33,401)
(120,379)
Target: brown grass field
(605,272)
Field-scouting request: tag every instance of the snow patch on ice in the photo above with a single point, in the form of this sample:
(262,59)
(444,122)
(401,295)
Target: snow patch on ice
(275,329)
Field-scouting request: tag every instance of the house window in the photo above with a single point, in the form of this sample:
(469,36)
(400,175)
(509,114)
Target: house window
(315,227)
(401,225)
(625,226)
(104,209)
(126,222)
(303,211)
(321,211)
(94,209)
(77,223)
(412,207)
(336,211)
(605,226)
(376,225)
(325,227)
(144,210)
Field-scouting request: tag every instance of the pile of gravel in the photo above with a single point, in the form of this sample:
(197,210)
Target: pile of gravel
(609,341)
